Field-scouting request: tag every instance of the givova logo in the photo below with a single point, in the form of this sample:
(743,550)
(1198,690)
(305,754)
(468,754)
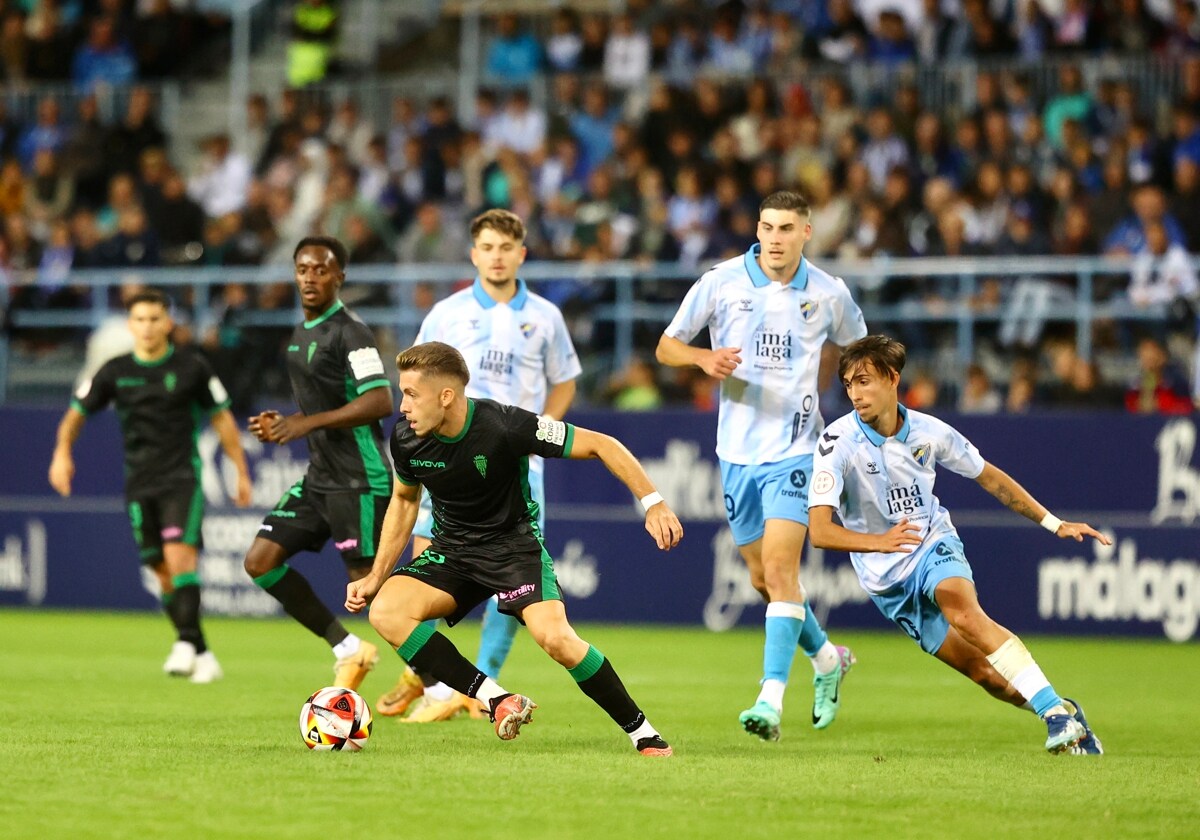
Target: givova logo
(1118,585)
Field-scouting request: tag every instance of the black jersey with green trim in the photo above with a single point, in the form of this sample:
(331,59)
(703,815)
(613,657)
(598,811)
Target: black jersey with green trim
(162,407)
(331,361)
(478,481)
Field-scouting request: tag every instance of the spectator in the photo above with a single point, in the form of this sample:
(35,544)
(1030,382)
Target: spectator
(626,55)
(429,240)
(160,39)
(592,128)
(49,195)
(179,222)
(564,45)
(314,33)
(136,133)
(1071,102)
(513,56)
(1159,387)
(1184,203)
(1149,205)
(978,396)
(47,133)
(1162,273)
(634,388)
(521,127)
(349,130)
(220,184)
(104,59)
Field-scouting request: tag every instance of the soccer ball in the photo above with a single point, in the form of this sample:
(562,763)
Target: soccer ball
(335,719)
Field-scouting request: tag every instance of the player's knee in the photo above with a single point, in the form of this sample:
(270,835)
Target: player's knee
(780,581)
(558,642)
(390,620)
(971,624)
(256,565)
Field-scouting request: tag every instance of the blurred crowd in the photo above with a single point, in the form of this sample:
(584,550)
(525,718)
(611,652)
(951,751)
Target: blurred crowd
(652,135)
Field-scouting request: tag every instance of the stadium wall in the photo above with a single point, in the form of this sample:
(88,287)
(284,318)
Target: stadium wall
(1137,477)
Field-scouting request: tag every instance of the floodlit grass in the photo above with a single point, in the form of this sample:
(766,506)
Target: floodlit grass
(101,744)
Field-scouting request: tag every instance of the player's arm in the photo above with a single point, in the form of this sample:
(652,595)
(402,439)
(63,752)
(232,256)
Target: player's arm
(397,529)
(367,407)
(559,399)
(661,521)
(231,444)
(62,463)
(1015,497)
(825,533)
(718,363)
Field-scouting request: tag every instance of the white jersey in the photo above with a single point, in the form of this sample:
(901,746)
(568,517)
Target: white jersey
(875,482)
(768,408)
(515,351)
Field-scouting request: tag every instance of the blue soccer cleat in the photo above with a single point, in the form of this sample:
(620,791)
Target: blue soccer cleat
(1089,744)
(1062,733)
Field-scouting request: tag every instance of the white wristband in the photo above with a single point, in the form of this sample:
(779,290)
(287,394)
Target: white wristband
(1051,522)
(650,500)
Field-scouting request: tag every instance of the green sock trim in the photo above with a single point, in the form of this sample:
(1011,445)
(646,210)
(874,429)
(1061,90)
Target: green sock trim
(272,577)
(185,579)
(416,640)
(588,667)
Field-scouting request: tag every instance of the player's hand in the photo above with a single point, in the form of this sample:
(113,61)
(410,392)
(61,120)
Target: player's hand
(360,592)
(1078,530)
(62,470)
(282,429)
(245,490)
(260,423)
(721,362)
(903,536)
(664,526)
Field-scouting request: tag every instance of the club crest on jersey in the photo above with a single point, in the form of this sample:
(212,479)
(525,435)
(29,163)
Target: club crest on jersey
(528,329)
(481,464)
(169,381)
(312,348)
(807,309)
(921,453)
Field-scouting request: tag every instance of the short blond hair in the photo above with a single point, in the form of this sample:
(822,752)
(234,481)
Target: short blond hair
(504,222)
(436,359)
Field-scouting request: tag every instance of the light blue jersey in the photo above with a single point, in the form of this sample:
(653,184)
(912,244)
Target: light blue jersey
(875,482)
(515,352)
(768,407)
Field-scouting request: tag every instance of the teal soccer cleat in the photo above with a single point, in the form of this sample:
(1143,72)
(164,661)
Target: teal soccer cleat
(827,689)
(762,720)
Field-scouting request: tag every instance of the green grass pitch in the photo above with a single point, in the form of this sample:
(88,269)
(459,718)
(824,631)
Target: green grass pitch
(99,743)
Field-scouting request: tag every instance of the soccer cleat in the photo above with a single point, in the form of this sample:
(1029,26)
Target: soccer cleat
(762,719)
(1062,733)
(350,671)
(207,668)
(1089,744)
(510,713)
(436,711)
(182,660)
(827,689)
(654,747)
(398,700)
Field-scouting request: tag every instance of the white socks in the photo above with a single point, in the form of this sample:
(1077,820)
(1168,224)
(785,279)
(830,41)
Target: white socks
(772,693)
(488,691)
(827,658)
(347,646)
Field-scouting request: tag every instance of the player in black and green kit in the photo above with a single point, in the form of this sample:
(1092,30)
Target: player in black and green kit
(163,394)
(473,457)
(342,391)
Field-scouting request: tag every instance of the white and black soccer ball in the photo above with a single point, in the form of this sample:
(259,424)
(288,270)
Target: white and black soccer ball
(335,719)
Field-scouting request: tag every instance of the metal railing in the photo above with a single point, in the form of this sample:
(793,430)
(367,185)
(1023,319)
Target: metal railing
(633,299)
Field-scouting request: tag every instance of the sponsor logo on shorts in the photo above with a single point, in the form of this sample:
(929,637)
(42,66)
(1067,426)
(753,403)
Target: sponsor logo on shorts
(517,593)
(172,533)
(345,544)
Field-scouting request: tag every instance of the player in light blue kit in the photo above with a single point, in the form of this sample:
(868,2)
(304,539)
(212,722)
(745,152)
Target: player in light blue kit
(875,467)
(769,313)
(519,353)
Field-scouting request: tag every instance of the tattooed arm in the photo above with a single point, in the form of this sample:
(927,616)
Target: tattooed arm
(1015,497)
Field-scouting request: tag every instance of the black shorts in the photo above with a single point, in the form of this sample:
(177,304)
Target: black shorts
(305,521)
(167,515)
(517,569)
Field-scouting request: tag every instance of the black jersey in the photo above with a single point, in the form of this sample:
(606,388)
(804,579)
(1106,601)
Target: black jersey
(162,407)
(331,361)
(478,481)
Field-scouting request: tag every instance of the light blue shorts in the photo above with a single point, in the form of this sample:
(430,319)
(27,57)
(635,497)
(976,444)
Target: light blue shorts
(912,605)
(754,494)
(537,488)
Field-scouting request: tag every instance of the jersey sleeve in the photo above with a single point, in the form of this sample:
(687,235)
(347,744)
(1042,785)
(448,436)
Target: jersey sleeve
(848,322)
(531,434)
(957,454)
(696,311)
(562,362)
(364,367)
(429,327)
(95,393)
(400,464)
(210,393)
(829,474)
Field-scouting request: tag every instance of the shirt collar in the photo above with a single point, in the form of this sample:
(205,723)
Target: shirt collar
(759,279)
(485,300)
(877,438)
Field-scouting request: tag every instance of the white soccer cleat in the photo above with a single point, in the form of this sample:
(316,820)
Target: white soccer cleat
(182,660)
(207,668)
